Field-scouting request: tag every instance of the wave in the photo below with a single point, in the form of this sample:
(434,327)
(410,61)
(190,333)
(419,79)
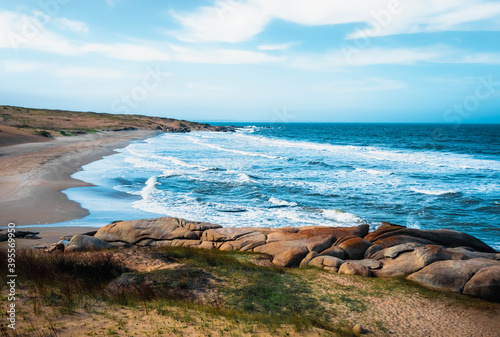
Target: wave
(426,158)
(244,153)
(434,192)
(281,203)
(342,217)
(373,172)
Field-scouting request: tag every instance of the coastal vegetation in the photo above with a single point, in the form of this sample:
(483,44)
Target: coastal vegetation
(179,290)
(16,122)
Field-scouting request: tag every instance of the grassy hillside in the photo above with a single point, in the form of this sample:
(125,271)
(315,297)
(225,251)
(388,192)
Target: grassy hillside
(51,123)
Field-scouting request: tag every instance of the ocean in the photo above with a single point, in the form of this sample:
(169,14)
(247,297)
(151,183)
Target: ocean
(422,176)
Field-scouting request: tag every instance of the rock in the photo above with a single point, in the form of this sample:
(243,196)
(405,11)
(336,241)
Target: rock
(443,237)
(226,234)
(56,247)
(245,242)
(80,243)
(394,251)
(307,259)
(373,252)
(485,284)
(353,268)
(289,246)
(372,264)
(358,329)
(165,228)
(327,262)
(355,247)
(451,275)
(32,237)
(396,240)
(286,253)
(466,253)
(408,262)
(335,252)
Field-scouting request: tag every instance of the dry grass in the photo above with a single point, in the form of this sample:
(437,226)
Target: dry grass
(219,293)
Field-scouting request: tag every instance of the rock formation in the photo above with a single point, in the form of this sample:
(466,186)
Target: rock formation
(438,259)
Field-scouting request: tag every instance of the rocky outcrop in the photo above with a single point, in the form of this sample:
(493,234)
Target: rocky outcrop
(439,259)
(453,275)
(80,243)
(388,235)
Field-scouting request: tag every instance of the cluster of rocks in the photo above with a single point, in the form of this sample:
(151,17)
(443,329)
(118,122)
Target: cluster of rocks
(20,235)
(439,259)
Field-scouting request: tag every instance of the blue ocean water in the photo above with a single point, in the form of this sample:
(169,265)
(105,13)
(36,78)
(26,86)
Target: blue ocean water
(421,176)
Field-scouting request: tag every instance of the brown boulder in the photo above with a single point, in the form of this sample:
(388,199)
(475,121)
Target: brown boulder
(408,262)
(327,262)
(286,253)
(443,237)
(80,243)
(355,247)
(224,234)
(308,258)
(335,252)
(165,228)
(354,268)
(485,284)
(451,275)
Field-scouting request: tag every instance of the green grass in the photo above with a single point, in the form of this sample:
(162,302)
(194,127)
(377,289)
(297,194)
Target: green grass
(236,288)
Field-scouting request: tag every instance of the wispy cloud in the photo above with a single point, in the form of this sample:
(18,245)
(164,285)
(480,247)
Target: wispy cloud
(364,85)
(89,72)
(208,87)
(231,21)
(282,46)
(72,25)
(15,66)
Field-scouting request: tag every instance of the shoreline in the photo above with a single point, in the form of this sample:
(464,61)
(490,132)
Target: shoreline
(33,175)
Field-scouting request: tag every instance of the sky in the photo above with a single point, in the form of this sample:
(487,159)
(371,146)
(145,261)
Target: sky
(430,61)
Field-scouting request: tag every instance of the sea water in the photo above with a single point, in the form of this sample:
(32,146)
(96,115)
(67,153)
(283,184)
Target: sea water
(275,175)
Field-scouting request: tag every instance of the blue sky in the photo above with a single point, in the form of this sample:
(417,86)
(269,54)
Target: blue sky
(256,60)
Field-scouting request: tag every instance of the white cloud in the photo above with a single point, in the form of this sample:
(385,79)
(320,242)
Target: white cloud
(128,52)
(338,60)
(207,87)
(19,31)
(221,56)
(14,66)
(230,21)
(89,72)
(226,21)
(363,85)
(282,46)
(71,25)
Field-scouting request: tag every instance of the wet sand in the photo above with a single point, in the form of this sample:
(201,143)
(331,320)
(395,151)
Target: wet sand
(32,175)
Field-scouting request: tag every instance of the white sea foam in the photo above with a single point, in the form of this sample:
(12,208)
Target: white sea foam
(280,202)
(244,153)
(433,192)
(373,172)
(342,217)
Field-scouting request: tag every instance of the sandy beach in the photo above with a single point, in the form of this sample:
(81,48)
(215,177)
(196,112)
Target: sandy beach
(32,175)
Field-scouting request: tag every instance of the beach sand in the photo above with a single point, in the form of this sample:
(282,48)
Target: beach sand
(32,175)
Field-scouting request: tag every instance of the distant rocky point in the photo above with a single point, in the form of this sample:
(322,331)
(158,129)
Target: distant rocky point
(444,260)
(21,125)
